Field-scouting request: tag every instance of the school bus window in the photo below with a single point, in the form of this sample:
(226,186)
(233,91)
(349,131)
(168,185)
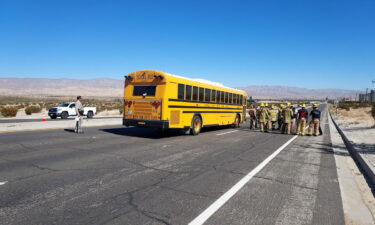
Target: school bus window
(218,96)
(195,93)
(213,97)
(230,98)
(188,92)
(226,97)
(144,90)
(236,102)
(234,99)
(207,95)
(201,94)
(181,90)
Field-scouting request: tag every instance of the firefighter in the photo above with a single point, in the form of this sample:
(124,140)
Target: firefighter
(293,126)
(273,118)
(302,116)
(253,117)
(280,119)
(263,117)
(287,122)
(315,121)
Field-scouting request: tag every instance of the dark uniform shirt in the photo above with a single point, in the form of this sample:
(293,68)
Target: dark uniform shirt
(315,114)
(302,113)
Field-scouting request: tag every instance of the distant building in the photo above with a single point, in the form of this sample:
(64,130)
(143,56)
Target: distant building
(369,97)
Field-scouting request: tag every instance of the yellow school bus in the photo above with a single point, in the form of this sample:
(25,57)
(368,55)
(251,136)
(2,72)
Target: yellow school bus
(160,100)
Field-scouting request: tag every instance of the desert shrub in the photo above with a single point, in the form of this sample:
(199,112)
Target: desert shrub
(345,106)
(99,108)
(32,109)
(9,111)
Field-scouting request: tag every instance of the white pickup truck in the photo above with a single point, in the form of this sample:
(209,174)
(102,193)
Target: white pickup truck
(65,110)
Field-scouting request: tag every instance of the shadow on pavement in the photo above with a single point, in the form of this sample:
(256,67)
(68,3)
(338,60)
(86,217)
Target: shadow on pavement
(154,133)
(69,130)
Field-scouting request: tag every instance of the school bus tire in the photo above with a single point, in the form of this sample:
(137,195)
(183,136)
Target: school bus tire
(196,125)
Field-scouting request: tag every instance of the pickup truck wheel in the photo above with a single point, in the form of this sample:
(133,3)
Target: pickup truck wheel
(64,115)
(90,114)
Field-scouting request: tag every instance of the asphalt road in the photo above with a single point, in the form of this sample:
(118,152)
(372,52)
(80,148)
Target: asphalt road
(49,119)
(117,175)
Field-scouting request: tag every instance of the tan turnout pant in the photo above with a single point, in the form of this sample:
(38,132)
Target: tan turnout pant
(314,125)
(286,128)
(262,126)
(301,126)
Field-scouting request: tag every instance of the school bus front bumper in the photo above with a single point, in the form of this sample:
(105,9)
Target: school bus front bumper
(162,124)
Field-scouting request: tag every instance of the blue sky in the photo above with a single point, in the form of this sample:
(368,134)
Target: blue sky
(302,43)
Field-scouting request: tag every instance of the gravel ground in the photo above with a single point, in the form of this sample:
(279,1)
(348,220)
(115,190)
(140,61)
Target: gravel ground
(359,126)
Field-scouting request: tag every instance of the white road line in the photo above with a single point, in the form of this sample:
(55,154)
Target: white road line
(206,214)
(3,182)
(227,132)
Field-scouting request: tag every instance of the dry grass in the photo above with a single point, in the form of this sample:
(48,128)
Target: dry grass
(360,113)
(360,117)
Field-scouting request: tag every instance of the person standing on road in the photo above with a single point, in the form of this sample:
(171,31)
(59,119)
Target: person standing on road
(263,117)
(315,121)
(273,118)
(280,118)
(302,116)
(79,113)
(253,117)
(287,115)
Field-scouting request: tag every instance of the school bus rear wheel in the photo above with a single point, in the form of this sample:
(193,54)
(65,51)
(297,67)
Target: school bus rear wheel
(196,125)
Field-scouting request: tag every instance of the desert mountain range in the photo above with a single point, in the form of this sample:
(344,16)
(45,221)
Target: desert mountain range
(105,87)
